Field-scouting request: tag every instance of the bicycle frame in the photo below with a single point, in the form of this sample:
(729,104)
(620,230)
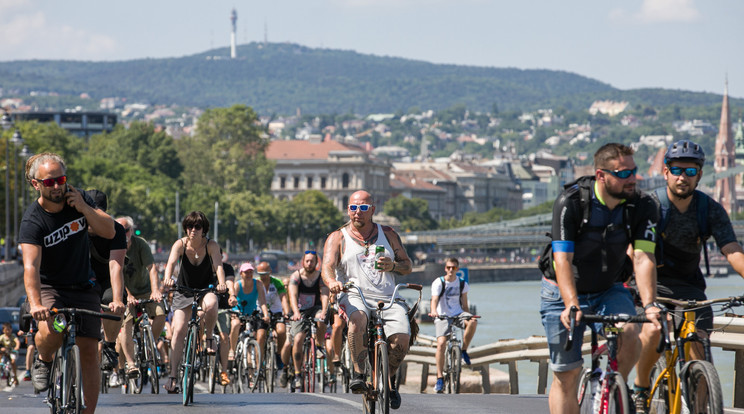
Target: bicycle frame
(189,350)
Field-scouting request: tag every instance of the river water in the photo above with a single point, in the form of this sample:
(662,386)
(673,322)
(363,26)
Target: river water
(511,310)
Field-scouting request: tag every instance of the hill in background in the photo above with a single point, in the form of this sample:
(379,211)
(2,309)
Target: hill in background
(282,77)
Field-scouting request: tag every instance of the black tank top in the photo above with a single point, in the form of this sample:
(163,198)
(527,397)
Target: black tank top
(313,289)
(196,276)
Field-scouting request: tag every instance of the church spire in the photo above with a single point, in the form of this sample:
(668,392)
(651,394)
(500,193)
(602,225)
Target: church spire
(725,192)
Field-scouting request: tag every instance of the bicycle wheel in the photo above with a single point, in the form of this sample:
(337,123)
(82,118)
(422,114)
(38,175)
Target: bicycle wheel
(54,393)
(703,388)
(134,383)
(213,362)
(586,393)
(270,367)
(72,391)
(187,381)
(368,398)
(320,373)
(659,403)
(309,370)
(455,369)
(619,402)
(150,371)
(253,363)
(381,380)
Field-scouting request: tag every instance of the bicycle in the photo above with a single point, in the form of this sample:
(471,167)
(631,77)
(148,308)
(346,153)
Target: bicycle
(377,397)
(269,362)
(6,369)
(189,365)
(247,356)
(603,392)
(146,355)
(696,387)
(65,394)
(309,350)
(452,360)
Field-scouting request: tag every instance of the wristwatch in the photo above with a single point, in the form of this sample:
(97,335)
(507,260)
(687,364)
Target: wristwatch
(653,304)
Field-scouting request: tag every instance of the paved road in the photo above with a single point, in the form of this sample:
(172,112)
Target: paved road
(21,399)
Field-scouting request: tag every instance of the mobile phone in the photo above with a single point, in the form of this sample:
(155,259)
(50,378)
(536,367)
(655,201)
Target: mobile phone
(67,188)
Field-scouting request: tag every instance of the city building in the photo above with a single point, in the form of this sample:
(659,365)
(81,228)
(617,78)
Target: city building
(335,169)
(82,124)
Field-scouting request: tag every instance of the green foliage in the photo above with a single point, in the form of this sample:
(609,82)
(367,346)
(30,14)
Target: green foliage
(413,213)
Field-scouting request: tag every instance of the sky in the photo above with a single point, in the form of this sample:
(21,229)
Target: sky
(677,44)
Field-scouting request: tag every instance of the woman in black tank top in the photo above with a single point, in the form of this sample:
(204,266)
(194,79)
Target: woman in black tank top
(200,265)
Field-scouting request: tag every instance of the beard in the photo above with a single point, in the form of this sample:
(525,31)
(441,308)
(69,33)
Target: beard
(49,197)
(623,193)
(682,194)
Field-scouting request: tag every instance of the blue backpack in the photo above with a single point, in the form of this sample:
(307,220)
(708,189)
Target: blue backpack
(702,221)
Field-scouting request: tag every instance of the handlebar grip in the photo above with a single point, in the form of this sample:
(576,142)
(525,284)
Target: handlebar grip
(572,317)
(415,286)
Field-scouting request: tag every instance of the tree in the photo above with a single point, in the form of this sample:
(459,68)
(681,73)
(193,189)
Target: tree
(315,215)
(227,152)
(413,213)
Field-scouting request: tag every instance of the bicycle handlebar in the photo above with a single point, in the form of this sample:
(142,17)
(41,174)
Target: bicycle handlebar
(466,317)
(69,311)
(692,303)
(380,304)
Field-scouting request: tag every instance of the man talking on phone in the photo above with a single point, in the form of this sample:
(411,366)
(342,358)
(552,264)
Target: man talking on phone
(56,267)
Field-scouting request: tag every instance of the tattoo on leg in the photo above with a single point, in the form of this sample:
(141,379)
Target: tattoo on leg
(357,348)
(396,355)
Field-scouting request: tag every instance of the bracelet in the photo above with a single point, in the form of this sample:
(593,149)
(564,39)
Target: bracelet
(393,269)
(652,304)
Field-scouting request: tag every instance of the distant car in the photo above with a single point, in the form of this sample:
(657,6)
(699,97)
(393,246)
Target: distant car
(12,315)
(278,260)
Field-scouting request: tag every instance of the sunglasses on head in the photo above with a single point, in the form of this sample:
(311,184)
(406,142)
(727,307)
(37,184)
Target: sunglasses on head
(690,171)
(313,252)
(622,174)
(361,207)
(49,182)
(194,226)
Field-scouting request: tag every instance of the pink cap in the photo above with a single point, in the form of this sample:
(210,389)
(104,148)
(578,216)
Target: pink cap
(245,267)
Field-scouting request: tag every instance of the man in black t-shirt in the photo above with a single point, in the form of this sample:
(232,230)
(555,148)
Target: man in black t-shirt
(57,273)
(680,276)
(107,261)
(588,261)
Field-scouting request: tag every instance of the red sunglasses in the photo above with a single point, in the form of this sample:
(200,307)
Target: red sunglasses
(49,182)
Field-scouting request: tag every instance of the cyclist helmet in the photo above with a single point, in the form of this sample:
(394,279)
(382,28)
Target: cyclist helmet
(685,150)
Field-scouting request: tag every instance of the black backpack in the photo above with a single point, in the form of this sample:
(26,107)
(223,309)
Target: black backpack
(702,221)
(441,291)
(581,191)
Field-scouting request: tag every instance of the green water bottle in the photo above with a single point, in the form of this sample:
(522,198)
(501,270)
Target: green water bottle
(379,252)
(60,323)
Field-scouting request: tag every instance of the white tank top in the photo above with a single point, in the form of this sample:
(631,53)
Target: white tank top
(360,268)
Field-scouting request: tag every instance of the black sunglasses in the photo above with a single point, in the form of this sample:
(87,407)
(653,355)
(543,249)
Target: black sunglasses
(194,226)
(690,171)
(622,174)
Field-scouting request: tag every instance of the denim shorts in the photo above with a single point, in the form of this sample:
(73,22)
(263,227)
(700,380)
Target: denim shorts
(614,300)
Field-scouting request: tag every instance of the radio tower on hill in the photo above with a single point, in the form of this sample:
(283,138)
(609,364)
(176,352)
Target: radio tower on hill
(233,20)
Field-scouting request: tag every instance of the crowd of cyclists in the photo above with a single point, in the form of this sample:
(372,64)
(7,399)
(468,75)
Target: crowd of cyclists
(605,234)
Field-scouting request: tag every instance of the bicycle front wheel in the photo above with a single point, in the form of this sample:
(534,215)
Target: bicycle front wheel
(347,366)
(455,368)
(270,365)
(134,382)
(382,379)
(660,395)
(619,401)
(213,365)
(150,371)
(72,393)
(703,388)
(187,382)
(585,394)
(253,363)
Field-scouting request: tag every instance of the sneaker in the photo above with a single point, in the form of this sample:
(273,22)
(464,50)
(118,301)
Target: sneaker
(394,395)
(439,386)
(283,378)
(465,357)
(357,385)
(40,376)
(109,356)
(114,381)
(27,376)
(297,381)
(640,397)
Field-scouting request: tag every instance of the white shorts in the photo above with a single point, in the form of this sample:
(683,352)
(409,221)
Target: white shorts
(395,319)
(443,327)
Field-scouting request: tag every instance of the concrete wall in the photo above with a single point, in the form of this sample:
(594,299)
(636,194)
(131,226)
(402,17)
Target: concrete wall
(11,283)
(477,274)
